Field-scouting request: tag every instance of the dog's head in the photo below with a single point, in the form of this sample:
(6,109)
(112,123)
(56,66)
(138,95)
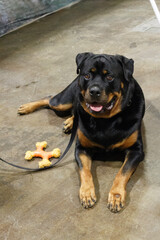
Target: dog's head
(105,82)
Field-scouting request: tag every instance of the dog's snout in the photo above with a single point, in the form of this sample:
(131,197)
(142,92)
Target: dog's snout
(95,91)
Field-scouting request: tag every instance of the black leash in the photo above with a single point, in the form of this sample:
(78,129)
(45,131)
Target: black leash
(73,134)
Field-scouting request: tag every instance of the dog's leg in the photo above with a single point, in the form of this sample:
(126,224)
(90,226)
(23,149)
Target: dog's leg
(117,194)
(87,190)
(62,102)
(33,106)
(42,103)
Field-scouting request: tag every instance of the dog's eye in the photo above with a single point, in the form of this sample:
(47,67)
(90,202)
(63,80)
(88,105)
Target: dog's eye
(87,76)
(109,78)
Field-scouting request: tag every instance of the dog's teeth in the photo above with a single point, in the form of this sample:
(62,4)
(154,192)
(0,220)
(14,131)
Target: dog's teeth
(87,105)
(110,106)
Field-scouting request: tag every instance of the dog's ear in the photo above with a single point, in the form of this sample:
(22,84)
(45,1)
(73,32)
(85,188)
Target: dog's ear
(128,66)
(80,58)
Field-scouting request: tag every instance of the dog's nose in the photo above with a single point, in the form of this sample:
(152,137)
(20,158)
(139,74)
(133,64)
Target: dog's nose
(95,91)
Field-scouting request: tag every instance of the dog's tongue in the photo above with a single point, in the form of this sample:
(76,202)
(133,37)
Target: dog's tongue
(96,107)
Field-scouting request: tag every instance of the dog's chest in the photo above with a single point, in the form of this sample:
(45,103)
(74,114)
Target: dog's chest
(102,133)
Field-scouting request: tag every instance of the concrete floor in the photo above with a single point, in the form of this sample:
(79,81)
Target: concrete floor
(39,60)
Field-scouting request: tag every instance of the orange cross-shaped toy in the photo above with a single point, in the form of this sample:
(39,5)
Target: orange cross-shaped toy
(39,152)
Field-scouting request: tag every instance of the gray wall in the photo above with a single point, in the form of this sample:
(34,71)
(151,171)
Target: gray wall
(14,13)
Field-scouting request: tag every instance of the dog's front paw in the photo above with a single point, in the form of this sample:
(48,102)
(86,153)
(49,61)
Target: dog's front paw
(67,125)
(87,196)
(26,108)
(116,200)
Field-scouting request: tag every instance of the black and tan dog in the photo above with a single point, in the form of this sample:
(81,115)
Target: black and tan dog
(110,106)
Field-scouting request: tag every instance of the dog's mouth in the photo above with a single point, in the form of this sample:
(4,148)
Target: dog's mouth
(99,107)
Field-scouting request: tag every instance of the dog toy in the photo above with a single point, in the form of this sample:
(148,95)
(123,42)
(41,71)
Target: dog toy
(39,152)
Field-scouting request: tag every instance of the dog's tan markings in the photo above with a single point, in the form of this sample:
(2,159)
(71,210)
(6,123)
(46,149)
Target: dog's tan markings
(111,95)
(62,107)
(93,69)
(108,113)
(85,142)
(104,72)
(104,96)
(68,124)
(83,93)
(122,85)
(87,190)
(130,140)
(117,194)
(32,106)
(127,142)
(117,107)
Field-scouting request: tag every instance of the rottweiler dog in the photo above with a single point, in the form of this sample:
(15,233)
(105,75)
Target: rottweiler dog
(110,106)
